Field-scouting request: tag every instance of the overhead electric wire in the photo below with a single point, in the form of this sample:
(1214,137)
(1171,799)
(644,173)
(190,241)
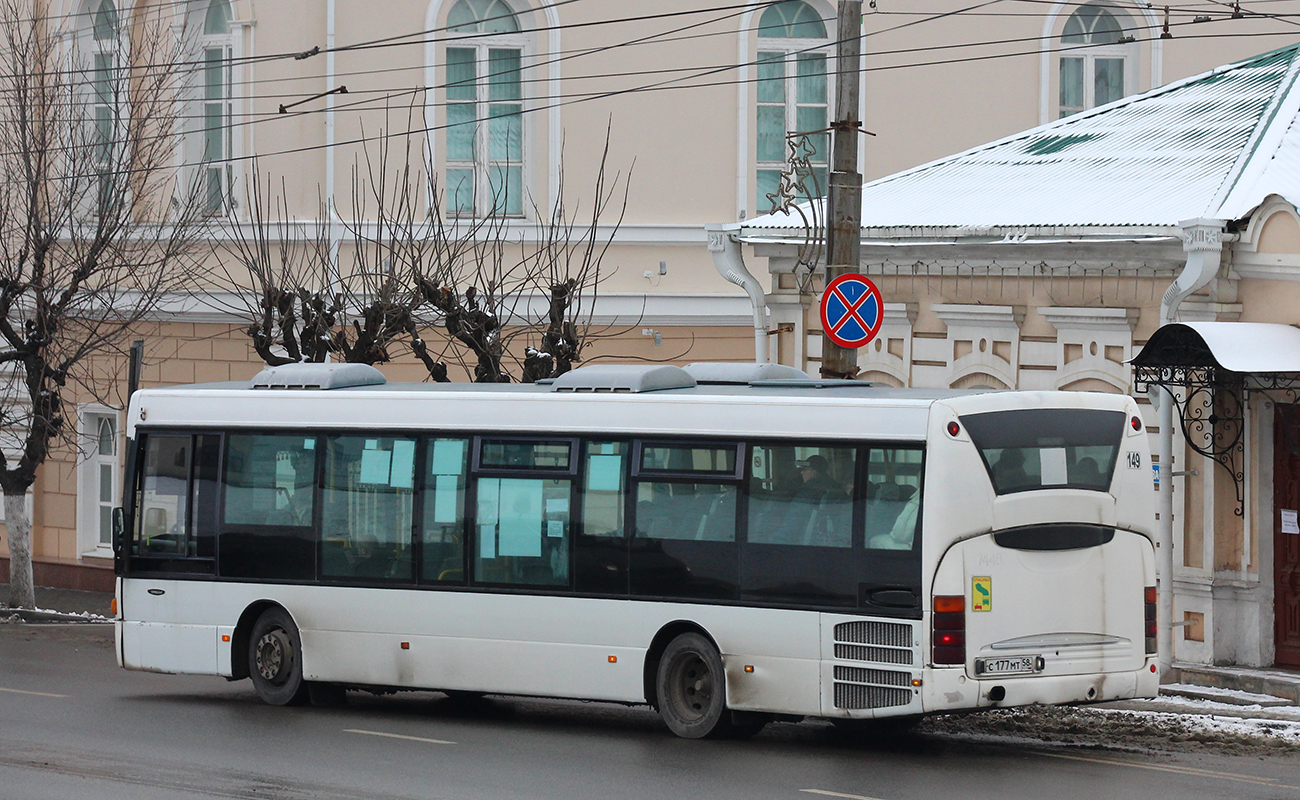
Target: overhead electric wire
(558,101)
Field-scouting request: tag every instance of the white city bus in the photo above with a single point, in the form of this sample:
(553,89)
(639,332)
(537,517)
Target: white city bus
(728,544)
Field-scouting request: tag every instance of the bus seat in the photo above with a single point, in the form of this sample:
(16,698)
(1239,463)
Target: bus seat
(902,532)
(719,523)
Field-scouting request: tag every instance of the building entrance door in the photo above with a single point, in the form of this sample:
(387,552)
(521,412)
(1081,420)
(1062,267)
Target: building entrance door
(1286,536)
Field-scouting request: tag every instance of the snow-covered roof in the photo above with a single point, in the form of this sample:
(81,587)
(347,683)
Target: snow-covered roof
(1214,145)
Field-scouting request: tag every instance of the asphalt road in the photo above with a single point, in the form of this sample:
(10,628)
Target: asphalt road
(73,725)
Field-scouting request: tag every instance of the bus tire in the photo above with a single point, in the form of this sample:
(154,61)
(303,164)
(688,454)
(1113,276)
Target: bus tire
(275,659)
(692,688)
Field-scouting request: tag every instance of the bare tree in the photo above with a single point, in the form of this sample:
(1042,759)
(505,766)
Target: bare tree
(92,225)
(412,265)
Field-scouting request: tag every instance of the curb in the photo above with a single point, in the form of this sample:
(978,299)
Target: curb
(1256,681)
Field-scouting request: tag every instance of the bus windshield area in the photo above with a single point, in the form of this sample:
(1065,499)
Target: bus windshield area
(1054,448)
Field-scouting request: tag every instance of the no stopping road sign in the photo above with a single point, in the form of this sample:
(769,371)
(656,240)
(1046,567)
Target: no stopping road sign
(852,310)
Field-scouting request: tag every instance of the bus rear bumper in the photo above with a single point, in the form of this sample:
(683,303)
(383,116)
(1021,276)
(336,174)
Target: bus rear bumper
(952,690)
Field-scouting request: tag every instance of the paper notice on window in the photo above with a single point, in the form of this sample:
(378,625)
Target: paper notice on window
(487,541)
(520,518)
(1053,463)
(403,463)
(604,473)
(375,466)
(1289,521)
(448,456)
(445,495)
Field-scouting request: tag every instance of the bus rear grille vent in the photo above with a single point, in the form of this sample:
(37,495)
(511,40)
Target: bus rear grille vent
(881,655)
(889,634)
(884,677)
(853,695)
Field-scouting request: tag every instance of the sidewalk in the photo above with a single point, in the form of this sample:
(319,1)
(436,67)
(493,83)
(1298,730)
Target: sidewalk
(1203,682)
(60,605)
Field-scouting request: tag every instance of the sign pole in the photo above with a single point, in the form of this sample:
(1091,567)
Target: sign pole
(844,195)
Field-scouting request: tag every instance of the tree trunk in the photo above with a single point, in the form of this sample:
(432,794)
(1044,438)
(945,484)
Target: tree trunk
(21,593)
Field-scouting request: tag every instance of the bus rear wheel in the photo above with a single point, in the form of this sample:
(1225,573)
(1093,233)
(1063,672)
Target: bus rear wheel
(275,659)
(692,688)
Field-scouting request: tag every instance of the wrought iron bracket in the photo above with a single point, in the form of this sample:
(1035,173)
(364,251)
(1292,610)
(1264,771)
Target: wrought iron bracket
(1211,414)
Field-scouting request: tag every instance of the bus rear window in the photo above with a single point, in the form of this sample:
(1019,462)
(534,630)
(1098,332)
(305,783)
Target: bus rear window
(1047,448)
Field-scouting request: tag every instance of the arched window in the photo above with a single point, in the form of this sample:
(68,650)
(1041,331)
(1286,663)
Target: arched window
(485,136)
(792,90)
(105,54)
(214,139)
(1095,61)
(99,482)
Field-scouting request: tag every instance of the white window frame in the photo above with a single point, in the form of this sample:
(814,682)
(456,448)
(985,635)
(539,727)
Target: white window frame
(90,467)
(198,104)
(481,43)
(1090,54)
(788,47)
(94,49)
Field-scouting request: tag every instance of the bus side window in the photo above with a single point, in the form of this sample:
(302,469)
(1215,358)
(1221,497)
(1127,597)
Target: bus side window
(893,498)
(603,490)
(367,507)
(801,495)
(267,526)
(163,516)
(600,548)
(522,517)
(444,511)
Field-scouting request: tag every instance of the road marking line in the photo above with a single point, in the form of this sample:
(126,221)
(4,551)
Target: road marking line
(1200,773)
(398,736)
(38,694)
(839,794)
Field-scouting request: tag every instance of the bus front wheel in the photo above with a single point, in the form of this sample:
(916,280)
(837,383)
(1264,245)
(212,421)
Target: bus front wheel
(692,688)
(275,659)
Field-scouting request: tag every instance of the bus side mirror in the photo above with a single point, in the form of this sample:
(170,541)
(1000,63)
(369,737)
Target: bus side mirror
(119,529)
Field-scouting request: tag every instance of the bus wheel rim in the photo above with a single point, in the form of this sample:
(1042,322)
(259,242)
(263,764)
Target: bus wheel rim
(694,686)
(272,656)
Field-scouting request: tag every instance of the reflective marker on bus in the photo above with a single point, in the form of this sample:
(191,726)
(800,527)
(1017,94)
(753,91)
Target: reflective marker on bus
(726,550)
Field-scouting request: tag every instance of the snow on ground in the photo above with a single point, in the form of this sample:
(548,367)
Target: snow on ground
(1128,728)
(1233,696)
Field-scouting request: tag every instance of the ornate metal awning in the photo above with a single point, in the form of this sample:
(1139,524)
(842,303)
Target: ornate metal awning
(1210,369)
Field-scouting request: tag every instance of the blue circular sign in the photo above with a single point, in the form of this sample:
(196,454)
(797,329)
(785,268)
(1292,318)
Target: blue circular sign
(852,310)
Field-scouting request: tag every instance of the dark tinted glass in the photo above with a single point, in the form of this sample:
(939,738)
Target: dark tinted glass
(686,458)
(163,516)
(893,502)
(600,558)
(206,492)
(517,454)
(267,528)
(685,542)
(367,507)
(1050,448)
(444,510)
(800,526)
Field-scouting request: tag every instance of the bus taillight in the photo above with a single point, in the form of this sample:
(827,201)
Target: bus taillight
(949,629)
(1152,629)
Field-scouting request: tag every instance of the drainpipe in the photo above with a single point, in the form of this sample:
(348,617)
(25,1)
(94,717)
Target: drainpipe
(1203,244)
(329,139)
(729,261)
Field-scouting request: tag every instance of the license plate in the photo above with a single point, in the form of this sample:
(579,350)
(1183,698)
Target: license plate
(1011,665)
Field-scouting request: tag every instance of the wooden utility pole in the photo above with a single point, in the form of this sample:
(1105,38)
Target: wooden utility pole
(844,197)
